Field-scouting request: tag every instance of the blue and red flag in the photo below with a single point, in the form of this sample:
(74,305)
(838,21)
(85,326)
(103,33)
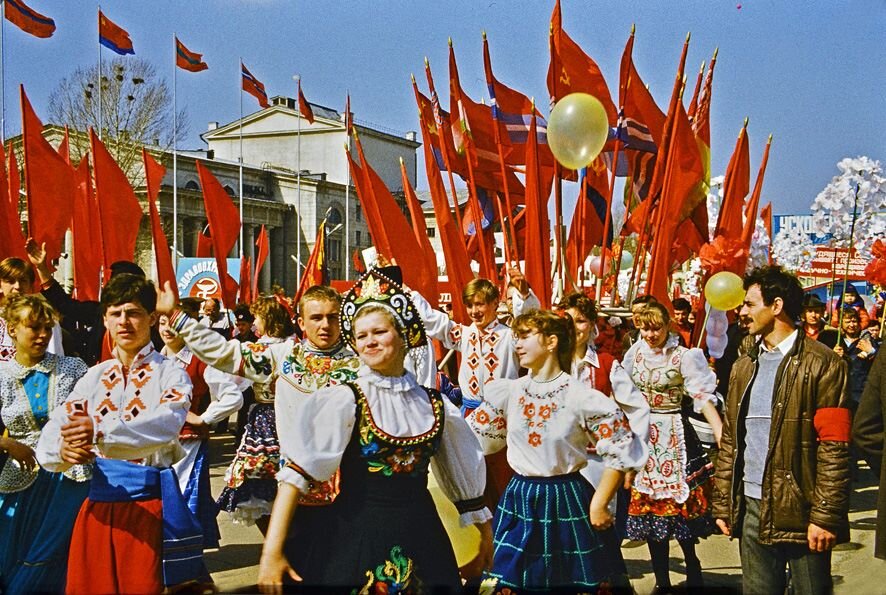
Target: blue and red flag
(188,60)
(253,86)
(28,20)
(113,37)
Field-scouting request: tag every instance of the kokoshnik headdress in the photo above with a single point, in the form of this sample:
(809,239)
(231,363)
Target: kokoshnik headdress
(378,288)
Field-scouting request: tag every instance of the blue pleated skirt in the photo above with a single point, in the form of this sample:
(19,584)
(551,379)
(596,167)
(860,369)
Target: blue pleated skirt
(35,533)
(543,539)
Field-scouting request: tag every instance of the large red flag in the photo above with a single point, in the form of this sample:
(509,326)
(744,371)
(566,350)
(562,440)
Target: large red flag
(420,228)
(87,238)
(224,228)
(398,236)
(458,268)
(750,213)
(316,271)
(119,209)
(188,60)
(154,173)
(573,71)
(48,182)
(736,186)
(304,108)
(253,86)
(28,20)
(12,241)
(113,36)
(245,296)
(538,225)
(263,248)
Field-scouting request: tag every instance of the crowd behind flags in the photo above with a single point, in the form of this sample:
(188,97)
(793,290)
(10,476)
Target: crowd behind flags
(499,150)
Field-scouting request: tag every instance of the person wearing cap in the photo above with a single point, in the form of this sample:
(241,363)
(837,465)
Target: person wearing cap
(851,299)
(243,324)
(813,321)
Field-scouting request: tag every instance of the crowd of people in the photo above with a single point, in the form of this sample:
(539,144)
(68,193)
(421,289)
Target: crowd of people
(558,434)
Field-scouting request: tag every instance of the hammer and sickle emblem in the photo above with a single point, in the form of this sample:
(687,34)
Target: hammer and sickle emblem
(564,77)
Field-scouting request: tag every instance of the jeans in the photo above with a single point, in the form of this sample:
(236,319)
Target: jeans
(763,566)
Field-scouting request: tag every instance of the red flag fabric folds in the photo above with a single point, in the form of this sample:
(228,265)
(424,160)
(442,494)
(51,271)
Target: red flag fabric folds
(736,185)
(119,210)
(253,86)
(304,108)
(316,271)
(113,37)
(87,238)
(188,60)
(12,241)
(154,173)
(420,229)
(224,225)
(261,256)
(538,225)
(589,218)
(245,296)
(48,182)
(28,20)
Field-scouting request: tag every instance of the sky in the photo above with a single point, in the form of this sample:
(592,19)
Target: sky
(811,73)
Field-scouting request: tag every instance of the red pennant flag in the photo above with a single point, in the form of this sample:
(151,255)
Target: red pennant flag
(766,216)
(261,256)
(224,225)
(245,296)
(753,203)
(12,241)
(316,271)
(736,186)
(28,20)
(349,116)
(87,238)
(48,182)
(253,86)
(120,213)
(154,173)
(64,147)
(304,108)
(573,71)
(188,60)
(538,225)
(420,228)
(113,36)
(589,218)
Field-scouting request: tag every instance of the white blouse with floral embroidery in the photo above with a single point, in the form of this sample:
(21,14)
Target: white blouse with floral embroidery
(547,426)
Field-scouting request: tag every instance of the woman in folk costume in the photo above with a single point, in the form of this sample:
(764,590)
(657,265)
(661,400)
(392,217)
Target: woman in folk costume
(37,507)
(670,498)
(550,524)
(601,371)
(16,278)
(215,397)
(293,370)
(384,431)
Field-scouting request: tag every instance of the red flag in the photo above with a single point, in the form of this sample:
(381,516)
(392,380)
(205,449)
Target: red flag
(589,218)
(263,248)
(736,186)
(87,238)
(253,86)
(224,225)
(29,20)
(64,147)
(304,108)
(766,216)
(246,282)
(458,268)
(349,116)
(48,182)
(204,244)
(357,261)
(750,213)
(538,225)
(12,241)
(391,232)
(420,228)
(573,71)
(119,210)
(113,37)
(316,271)
(188,60)
(154,173)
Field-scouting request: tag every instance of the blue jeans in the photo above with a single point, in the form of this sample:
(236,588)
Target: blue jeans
(763,566)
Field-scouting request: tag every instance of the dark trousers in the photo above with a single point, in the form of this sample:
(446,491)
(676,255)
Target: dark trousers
(763,566)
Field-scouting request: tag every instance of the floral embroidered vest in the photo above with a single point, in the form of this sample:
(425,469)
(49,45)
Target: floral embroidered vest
(662,385)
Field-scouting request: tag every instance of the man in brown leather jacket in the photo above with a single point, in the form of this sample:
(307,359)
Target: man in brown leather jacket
(782,482)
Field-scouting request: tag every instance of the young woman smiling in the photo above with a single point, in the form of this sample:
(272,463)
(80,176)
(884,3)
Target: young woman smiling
(550,524)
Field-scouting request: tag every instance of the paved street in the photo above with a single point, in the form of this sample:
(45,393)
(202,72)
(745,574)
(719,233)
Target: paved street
(234,566)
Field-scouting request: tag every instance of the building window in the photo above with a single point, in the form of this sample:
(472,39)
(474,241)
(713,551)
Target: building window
(192,185)
(230,191)
(358,238)
(334,251)
(358,215)
(333,218)
(432,232)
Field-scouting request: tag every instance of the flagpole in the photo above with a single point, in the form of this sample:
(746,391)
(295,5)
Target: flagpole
(347,194)
(2,74)
(174,158)
(298,192)
(99,81)
(241,160)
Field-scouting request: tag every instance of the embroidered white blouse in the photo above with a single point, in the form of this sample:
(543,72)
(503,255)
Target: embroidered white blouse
(226,397)
(320,429)
(486,354)
(137,414)
(547,426)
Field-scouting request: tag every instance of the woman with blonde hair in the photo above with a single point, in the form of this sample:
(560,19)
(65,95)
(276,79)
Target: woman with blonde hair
(552,530)
(37,508)
(670,498)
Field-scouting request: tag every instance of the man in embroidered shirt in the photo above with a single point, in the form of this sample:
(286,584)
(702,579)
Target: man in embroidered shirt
(125,415)
(782,480)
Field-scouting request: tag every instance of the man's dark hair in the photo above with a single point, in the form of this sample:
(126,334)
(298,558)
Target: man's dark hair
(125,266)
(851,312)
(643,299)
(682,305)
(775,282)
(125,288)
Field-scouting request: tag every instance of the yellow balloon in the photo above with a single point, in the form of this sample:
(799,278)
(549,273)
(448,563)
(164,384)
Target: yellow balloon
(724,291)
(577,130)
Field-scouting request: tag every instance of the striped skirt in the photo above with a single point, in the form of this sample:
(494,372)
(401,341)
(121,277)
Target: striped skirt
(543,538)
